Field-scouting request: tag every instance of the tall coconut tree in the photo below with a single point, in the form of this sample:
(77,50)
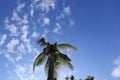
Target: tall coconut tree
(53,56)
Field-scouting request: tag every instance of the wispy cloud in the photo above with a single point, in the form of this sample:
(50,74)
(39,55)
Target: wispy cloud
(25,20)
(67,10)
(57,28)
(13,29)
(35,34)
(46,21)
(20,7)
(116,70)
(46,5)
(15,16)
(10,58)
(25,31)
(24,72)
(44,33)
(19,57)
(32,6)
(11,45)
(21,48)
(25,38)
(3,39)
(31,10)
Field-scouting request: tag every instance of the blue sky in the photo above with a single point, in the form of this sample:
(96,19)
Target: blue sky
(93,26)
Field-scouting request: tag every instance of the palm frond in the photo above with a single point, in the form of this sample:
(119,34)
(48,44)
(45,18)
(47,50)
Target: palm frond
(69,65)
(47,66)
(66,46)
(57,65)
(63,57)
(55,73)
(65,60)
(39,60)
(41,41)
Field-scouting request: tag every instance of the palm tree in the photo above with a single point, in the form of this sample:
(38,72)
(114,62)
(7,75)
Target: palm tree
(89,78)
(72,77)
(54,57)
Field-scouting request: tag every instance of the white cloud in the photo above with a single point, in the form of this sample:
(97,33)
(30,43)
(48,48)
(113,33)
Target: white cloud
(20,72)
(10,58)
(21,48)
(46,21)
(20,6)
(116,70)
(24,20)
(32,5)
(20,69)
(31,11)
(12,28)
(67,10)
(45,33)
(11,45)
(46,5)
(18,57)
(25,39)
(25,33)
(24,72)
(35,34)
(57,28)
(3,39)
(15,16)
(29,47)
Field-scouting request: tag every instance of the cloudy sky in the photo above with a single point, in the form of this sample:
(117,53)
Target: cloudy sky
(93,26)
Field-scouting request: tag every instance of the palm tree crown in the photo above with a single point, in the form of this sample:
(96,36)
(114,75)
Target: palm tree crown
(54,57)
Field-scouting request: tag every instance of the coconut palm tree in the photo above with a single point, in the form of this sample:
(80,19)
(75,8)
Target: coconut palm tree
(54,57)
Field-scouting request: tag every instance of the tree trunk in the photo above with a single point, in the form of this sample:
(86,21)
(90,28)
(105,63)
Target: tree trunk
(51,68)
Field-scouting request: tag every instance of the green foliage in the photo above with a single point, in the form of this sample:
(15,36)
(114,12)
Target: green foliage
(66,46)
(41,41)
(39,60)
(72,78)
(89,78)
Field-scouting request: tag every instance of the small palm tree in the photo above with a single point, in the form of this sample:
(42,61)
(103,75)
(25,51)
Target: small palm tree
(72,77)
(89,78)
(54,57)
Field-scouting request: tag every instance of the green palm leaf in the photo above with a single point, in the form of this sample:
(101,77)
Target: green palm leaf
(39,60)
(41,41)
(68,64)
(66,46)
(65,60)
(63,57)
